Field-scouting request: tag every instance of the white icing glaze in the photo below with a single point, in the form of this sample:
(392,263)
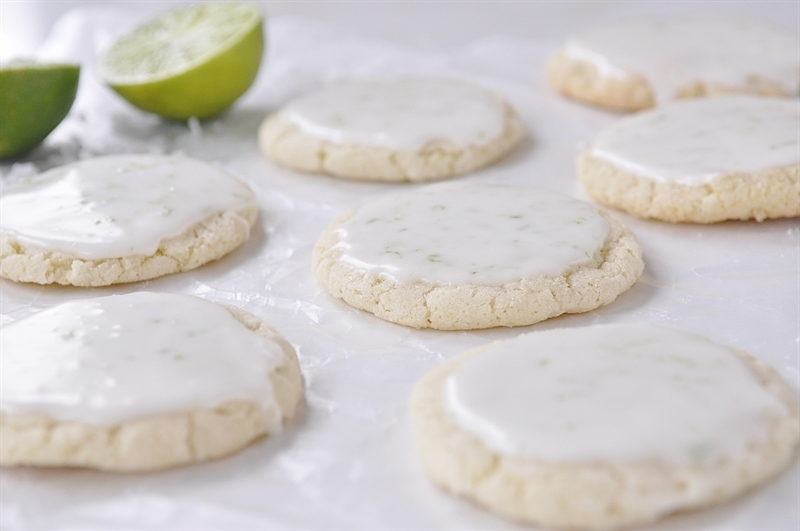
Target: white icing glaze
(694,141)
(469,233)
(117,206)
(108,360)
(400,114)
(619,393)
(674,53)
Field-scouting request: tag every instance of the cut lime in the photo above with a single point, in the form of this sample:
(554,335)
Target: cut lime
(34,98)
(194,61)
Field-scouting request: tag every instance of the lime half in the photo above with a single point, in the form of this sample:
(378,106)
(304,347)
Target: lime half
(194,61)
(34,99)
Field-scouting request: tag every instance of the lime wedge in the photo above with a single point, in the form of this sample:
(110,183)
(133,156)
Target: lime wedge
(194,61)
(34,99)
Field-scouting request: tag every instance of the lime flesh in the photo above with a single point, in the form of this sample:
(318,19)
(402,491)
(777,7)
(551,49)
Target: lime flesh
(34,99)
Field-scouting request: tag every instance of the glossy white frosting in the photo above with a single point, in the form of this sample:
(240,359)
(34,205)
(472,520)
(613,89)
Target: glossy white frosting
(401,114)
(694,141)
(672,53)
(110,207)
(470,233)
(619,393)
(108,360)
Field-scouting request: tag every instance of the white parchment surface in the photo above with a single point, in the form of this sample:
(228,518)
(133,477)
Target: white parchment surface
(348,461)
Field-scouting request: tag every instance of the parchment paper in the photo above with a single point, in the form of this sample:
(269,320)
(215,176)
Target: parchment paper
(348,460)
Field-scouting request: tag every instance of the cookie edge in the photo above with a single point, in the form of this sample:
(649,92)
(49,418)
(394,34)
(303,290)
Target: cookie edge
(767,194)
(204,242)
(582,81)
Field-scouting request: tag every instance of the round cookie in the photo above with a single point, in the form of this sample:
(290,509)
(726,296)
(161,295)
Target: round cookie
(141,382)
(602,427)
(116,219)
(637,64)
(700,161)
(461,256)
(395,130)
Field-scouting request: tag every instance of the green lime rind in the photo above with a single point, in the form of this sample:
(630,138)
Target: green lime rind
(34,99)
(194,61)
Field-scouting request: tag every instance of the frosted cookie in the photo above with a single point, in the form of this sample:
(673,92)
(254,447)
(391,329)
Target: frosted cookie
(141,381)
(638,64)
(603,427)
(119,219)
(461,256)
(700,161)
(404,129)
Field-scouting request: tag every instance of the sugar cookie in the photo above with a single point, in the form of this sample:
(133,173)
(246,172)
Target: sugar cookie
(141,381)
(404,129)
(460,256)
(700,161)
(119,219)
(637,64)
(603,427)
